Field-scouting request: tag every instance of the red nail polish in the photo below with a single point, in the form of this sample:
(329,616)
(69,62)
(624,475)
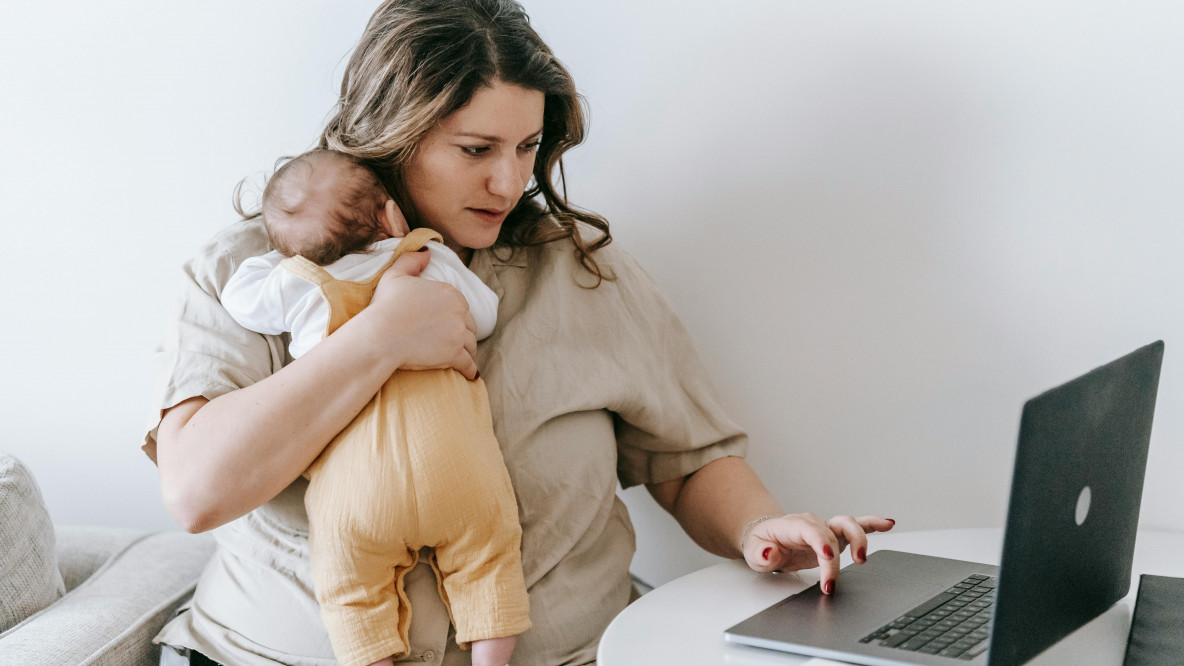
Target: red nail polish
(861,555)
(828,587)
(891,521)
(477,376)
(765,553)
(828,552)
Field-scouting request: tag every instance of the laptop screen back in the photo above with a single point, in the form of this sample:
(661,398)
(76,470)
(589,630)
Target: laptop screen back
(1074,507)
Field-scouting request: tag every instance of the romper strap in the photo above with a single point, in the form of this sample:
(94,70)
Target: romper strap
(412,242)
(415,240)
(306,269)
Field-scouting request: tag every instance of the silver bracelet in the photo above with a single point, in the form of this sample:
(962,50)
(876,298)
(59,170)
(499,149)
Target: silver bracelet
(749,526)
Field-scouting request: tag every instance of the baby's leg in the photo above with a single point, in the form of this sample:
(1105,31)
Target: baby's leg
(479,563)
(467,511)
(493,651)
(358,561)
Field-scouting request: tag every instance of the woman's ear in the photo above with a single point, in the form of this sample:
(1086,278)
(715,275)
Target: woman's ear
(392,218)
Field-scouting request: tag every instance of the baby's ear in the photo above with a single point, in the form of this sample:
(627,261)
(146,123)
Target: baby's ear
(392,218)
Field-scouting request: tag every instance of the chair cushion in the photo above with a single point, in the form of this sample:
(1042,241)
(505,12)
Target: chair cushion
(29,576)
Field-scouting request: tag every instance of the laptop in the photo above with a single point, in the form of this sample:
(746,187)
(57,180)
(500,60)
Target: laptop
(1067,549)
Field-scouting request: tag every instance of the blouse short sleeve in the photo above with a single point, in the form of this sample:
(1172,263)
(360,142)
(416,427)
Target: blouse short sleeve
(205,352)
(670,422)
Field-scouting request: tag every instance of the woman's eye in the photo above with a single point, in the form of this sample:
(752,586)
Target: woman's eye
(529,147)
(474,151)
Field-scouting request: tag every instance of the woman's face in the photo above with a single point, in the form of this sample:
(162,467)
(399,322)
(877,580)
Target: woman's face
(470,170)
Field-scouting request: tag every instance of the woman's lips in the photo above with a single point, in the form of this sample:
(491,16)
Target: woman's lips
(490,216)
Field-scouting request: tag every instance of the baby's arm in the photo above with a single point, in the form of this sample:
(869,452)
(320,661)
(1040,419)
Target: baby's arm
(254,296)
(446,266)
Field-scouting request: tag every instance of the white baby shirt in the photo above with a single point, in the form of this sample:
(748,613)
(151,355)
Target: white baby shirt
(264,297)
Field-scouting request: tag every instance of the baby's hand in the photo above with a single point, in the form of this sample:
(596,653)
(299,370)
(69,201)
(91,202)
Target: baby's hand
(392,217)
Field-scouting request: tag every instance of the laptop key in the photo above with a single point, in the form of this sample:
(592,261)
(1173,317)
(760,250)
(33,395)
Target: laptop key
(975,651)
(964,645)
(942,642)
(954,650)
(915,643)
(930,605)
(957,633)
(899,637)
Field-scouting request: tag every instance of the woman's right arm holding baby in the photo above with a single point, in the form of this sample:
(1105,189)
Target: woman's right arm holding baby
(220,459)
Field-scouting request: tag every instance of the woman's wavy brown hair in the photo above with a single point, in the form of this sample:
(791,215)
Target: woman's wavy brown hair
(420,60)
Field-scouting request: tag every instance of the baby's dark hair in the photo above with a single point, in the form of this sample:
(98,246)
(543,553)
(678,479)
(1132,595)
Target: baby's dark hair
(347,224)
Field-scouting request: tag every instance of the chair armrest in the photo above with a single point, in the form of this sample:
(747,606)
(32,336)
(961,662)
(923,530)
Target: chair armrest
(83,549)
(112,616)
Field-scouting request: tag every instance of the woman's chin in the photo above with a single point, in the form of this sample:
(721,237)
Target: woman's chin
(466,243)
(480,240)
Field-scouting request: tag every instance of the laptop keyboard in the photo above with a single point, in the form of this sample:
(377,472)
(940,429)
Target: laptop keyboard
(955,623)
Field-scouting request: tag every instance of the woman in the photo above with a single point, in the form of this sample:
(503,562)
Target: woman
(591,377)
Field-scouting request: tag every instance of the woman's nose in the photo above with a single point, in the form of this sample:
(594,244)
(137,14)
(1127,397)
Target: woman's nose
(506,179)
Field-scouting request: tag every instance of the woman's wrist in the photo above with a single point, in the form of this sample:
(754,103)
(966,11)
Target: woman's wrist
(749,527)
(370,337)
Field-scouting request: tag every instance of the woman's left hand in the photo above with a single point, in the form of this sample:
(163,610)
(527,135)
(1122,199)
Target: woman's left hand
(803,541)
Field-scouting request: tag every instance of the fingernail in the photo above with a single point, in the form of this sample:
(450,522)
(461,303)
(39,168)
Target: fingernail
(765,553)
(425,248)
(477,376)
(861,555)
(828,552)
(891,521)
(828,587)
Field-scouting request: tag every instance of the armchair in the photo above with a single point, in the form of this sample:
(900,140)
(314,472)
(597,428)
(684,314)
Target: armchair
(120,585)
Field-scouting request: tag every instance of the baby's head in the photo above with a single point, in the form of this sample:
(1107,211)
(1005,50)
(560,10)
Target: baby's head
(325,204)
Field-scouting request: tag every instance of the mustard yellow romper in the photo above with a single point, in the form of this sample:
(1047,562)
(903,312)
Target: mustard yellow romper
(419,466)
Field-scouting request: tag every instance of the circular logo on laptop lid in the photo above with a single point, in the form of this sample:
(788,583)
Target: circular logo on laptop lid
(1082,505)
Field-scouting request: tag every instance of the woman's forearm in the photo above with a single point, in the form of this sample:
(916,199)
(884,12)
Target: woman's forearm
(220,459)
(715,503)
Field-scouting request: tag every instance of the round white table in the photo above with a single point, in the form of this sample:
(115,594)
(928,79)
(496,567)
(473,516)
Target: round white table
(683,621)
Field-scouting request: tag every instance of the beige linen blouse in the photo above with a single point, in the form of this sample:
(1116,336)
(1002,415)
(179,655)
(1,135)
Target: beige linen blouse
(587,387)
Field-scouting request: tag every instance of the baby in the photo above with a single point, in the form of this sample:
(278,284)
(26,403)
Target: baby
(419,465)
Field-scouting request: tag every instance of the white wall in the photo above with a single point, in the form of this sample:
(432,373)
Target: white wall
(887,224)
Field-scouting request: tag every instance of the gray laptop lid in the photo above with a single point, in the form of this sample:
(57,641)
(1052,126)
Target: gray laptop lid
(1082,452)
